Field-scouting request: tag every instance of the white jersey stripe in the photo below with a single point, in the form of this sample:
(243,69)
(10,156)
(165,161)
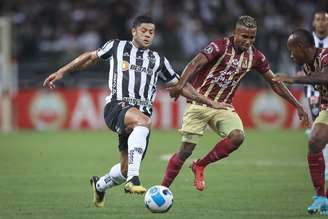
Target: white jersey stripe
(133,55)
(119,58)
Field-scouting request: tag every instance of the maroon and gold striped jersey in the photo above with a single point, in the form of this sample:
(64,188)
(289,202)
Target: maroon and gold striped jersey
(320,62)
(220,77)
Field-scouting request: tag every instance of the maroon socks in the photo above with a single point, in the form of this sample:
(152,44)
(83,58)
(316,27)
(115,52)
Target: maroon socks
(317,171)
(221,150)
(173,168)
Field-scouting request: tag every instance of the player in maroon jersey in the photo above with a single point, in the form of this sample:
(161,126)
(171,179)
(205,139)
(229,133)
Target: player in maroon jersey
(218,70)
(315,66)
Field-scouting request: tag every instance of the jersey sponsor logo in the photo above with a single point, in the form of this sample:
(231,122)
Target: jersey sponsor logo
(141,69)
(222,79)
(227,83)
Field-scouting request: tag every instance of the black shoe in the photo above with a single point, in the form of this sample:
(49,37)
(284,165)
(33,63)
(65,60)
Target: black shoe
(98,197)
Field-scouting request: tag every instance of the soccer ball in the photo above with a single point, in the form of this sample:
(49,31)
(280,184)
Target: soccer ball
(158,199)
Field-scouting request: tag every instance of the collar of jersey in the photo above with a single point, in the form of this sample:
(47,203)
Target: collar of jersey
(137,47)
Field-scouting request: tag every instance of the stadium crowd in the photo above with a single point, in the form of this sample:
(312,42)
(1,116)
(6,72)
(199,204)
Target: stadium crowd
(57,31)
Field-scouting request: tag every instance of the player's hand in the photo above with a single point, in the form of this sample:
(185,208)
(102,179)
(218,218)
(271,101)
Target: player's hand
(303,116)
(218,105)
(283,78)
(175,91)
(51,79)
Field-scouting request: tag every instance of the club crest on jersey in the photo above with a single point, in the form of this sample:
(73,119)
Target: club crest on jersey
(235,62)
(139,57)
(125,66)
(151,58)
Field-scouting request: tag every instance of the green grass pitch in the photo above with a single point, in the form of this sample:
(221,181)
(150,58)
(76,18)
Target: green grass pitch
(46,175)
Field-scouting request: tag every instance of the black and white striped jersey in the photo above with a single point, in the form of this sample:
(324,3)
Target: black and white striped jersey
(320,43)
(134,73)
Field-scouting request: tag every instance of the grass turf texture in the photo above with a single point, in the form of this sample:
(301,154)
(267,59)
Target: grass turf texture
(46,175)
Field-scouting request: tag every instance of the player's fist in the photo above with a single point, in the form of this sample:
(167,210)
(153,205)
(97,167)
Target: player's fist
(51,79)
(175,91)
(303,116)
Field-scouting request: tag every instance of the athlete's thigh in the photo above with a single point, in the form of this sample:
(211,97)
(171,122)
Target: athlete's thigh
(114,114)
(320,127)
(134,116)
(195,119)
(226,121)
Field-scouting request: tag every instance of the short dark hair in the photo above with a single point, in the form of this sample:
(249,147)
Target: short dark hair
(304,36)
(321,12)
(142,19)
(246,21)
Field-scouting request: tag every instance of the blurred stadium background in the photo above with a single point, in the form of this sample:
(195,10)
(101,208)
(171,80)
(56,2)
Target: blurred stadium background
(50,146)
(43,36)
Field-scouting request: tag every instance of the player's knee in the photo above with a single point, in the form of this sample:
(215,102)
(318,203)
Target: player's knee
(144,121)
(236,137)
(316,144)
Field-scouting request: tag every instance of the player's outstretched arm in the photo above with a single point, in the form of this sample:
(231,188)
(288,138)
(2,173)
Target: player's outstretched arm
(189,92)
(283,91)
(81,62)
(192,67)
(315,78)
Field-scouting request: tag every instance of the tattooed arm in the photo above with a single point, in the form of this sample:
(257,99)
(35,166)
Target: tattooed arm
(189,92)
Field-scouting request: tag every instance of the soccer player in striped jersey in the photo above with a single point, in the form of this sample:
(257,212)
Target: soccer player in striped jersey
(133,76)
(218,70)
(315,66)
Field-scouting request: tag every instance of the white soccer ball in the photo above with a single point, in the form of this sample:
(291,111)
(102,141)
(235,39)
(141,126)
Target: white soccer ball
(158,199)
